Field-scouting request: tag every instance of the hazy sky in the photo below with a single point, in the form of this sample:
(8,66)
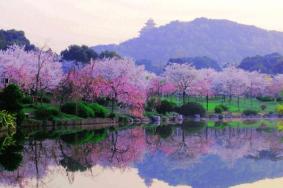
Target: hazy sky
(59,23)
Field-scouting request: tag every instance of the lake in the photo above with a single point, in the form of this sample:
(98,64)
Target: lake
(192,154)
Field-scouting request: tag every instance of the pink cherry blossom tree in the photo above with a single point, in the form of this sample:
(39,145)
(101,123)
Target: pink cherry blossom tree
(274,85)
(255,84)
(35,71)
(119,79)
(159,86)
(182,76)
(204,83)
(233,82)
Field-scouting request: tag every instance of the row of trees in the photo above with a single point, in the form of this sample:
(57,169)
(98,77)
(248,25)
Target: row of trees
(84,54)
(230,82)
(121,81)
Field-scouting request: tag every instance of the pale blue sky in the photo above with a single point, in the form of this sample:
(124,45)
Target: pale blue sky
(59,23)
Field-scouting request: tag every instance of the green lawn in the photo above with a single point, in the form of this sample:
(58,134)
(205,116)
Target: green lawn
(245,103)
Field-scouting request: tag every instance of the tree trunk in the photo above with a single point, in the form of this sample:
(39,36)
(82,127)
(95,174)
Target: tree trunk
(76,108)
(238,103)
(207,102)
(184,95)
(112,105)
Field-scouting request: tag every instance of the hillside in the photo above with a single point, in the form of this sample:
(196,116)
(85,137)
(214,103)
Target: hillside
(198,62)
(222,40)
(270,64)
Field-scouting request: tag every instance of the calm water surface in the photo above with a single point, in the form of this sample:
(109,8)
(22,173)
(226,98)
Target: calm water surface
(192,154)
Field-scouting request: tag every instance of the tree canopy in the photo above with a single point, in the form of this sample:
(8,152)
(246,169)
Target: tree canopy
(14,37)
(77,53)
(84,54)
(270,64)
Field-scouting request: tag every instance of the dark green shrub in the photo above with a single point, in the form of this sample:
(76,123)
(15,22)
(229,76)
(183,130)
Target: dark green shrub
(10,98)
(224,108)
(250,112)
(122,119)
(165,106)
(20,117)
(85,111)
(79,109)
(265,98)
(100,111)
(45,99)
(191,109)
(27,100)
(69,108)
(220,108)
(263,107)
(112,115)
(46,112)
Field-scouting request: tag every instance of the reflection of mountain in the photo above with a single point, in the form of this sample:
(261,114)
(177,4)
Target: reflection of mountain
(188,154)
(209,171)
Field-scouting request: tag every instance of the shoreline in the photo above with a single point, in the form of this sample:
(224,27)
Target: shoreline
(108,122)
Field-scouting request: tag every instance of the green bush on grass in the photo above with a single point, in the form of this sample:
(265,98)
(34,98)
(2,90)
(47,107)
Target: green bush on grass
(80,109)
(99,110)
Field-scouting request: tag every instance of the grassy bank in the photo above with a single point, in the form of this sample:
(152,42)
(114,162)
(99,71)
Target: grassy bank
(30,110)
(244,103)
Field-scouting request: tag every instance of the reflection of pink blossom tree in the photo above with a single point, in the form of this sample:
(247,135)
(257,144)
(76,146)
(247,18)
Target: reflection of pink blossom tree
(121,149)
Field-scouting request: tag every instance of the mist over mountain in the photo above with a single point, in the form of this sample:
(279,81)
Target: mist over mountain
(224,41)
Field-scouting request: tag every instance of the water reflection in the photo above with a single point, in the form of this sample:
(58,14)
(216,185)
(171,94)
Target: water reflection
(192,154)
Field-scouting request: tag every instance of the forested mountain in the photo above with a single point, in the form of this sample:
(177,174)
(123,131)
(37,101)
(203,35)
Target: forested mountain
(270,64)
(222,40)
(198,62)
